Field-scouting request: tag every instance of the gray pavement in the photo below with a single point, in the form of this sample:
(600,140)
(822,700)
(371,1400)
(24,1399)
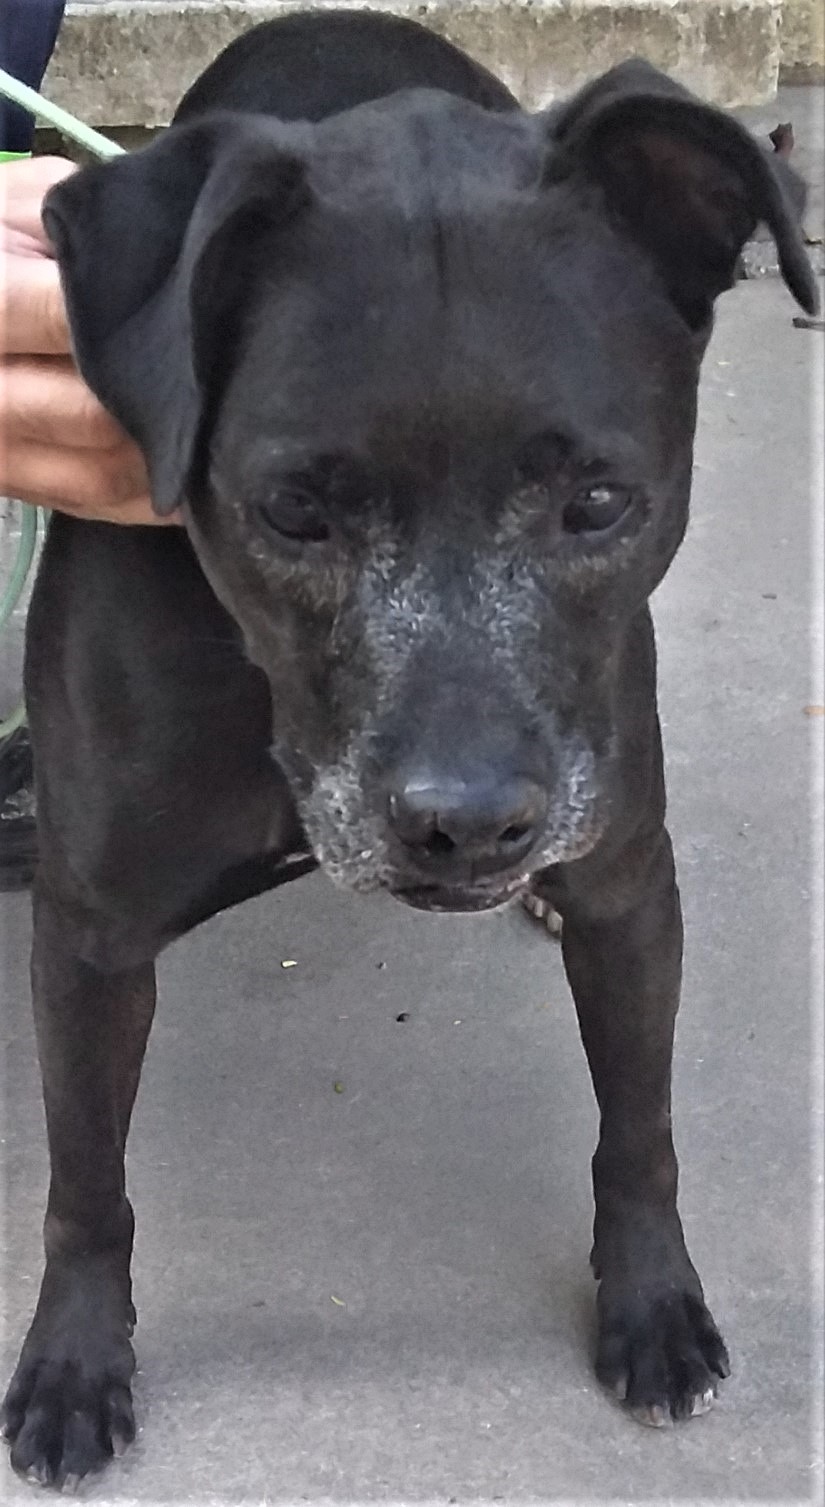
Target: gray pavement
(382,1294)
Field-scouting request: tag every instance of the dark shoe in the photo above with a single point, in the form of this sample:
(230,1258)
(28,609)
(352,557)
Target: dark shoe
(18,834)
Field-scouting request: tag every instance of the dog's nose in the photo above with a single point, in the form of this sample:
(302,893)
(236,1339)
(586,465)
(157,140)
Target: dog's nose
(447,824)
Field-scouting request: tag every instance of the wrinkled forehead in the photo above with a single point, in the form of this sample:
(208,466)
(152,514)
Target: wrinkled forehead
(419,145)
(450,308)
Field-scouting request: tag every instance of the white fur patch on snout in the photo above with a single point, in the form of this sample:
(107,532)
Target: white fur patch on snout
(349,833)
(399,616)
(574,822)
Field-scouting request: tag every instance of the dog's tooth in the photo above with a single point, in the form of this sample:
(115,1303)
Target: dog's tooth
(536,906)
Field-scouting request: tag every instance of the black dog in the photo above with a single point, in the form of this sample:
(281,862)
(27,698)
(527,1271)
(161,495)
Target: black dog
(420,370)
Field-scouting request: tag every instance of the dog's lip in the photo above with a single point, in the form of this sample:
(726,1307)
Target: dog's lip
(456,900)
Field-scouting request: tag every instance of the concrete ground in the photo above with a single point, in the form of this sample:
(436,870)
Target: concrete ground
(381,1292)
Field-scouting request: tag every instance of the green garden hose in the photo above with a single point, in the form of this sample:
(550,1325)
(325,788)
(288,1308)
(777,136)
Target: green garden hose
(12,592)
(60,120)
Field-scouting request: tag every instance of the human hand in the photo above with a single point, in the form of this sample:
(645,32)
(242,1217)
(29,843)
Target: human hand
(58,446)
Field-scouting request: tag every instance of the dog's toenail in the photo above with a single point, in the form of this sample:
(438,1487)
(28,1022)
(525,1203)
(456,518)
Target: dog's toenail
(653,1416)
(702,1403)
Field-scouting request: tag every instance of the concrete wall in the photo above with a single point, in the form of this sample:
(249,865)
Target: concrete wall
(127,62)
(802,41)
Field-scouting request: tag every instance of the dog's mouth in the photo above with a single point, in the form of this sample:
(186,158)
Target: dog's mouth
(470,901)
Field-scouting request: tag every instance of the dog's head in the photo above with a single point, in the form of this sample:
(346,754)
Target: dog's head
(423,380)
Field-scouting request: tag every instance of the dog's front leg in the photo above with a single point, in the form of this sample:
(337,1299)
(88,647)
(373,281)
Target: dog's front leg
(658,1346)
(68,1407)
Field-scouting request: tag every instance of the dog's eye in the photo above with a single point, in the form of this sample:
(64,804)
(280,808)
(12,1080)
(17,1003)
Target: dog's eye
(294,513)
(596,509)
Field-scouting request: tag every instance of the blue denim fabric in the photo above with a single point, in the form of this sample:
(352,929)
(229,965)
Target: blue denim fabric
(28,32)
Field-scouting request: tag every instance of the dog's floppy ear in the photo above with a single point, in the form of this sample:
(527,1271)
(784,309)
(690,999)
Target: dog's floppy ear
(140,243)
(686,180)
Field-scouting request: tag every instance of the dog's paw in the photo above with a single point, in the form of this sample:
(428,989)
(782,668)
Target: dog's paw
(68,1409)
(664,1358)
(543,912)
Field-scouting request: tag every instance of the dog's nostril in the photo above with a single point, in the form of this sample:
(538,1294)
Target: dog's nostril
(514,834)
(439,844)
(489,822)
